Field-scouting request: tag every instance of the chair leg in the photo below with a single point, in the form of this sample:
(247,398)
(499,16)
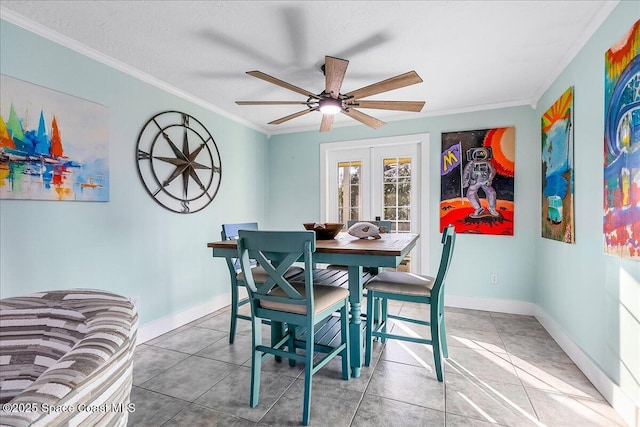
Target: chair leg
(278,329)
(291,343)
(438,359)
(371,303)
(383,319)
(308,376)
(443,337)
(344,333)
(234,313)
(375,312)
(256,361)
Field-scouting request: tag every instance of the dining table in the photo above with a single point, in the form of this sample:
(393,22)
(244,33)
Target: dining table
(354,253)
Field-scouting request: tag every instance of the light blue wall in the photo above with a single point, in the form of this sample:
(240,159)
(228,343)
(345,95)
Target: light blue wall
(129,245)
(298,156)
(594,297)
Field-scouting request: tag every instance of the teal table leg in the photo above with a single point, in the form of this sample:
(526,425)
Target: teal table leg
(355,326)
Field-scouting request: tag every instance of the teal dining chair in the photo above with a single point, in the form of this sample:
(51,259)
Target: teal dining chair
(230,232)
(292,305)
(400,286)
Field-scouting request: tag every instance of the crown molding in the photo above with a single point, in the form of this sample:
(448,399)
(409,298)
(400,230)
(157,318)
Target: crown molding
(78,47)
(596,21)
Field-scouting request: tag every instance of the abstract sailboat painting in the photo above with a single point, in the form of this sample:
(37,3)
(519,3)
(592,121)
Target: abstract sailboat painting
(53,146)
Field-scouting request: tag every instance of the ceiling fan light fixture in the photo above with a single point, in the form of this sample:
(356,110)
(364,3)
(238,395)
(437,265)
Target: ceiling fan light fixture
(330,106)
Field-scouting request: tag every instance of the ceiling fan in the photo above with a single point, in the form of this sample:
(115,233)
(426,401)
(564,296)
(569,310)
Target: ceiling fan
(331,101)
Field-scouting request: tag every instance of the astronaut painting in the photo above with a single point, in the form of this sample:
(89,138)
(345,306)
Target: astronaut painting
(476,186)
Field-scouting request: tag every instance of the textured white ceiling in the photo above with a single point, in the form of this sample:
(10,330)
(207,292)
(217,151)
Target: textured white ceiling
(471,54)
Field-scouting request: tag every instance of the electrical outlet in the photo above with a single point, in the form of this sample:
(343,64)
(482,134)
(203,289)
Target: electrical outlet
(494,278)
(136,301)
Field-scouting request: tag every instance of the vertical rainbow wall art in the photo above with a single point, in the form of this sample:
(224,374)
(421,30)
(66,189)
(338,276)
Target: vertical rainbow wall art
(476,181)
(557,170)
(621,146)
(53,146)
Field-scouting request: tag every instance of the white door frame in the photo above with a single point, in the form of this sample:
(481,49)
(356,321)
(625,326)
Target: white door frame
(422,142)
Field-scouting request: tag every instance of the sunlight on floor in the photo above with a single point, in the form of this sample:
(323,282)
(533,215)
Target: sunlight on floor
(475,344)
(533,376)
(477,408)
(575,399)
(417,358)
(410,332)
(492,392)
(587,409)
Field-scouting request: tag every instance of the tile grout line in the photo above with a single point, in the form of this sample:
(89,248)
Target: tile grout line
(373,370)
(535,412)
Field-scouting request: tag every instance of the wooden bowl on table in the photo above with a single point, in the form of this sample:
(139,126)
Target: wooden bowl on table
(326,231)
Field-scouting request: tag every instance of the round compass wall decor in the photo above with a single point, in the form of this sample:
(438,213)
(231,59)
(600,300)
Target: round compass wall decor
(179,162)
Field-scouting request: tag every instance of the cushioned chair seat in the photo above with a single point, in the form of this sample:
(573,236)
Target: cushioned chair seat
(402,283)
(323,297)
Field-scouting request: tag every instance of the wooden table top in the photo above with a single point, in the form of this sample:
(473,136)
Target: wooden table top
(391,244)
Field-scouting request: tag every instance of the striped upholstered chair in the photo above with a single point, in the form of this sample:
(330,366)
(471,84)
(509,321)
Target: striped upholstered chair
(68,349)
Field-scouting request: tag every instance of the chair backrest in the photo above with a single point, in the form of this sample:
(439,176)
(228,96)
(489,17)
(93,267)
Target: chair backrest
(230,232)
(276,251)
(448,243)
(379,224)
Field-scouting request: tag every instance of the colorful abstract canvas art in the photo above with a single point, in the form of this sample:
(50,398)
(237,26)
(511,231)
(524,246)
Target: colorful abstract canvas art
(622,147)
(53,146)
(477,181)
(557,170)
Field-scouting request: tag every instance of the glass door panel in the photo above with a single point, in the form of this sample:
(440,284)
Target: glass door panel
(375,183)
(348,191)
(396,186)
(396,174)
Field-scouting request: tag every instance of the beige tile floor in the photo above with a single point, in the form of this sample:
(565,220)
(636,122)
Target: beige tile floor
(502,369)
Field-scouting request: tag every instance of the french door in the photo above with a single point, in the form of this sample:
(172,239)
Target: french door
(375,180)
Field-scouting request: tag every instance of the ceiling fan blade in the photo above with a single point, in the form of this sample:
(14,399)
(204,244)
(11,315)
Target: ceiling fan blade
(334,70)
(327,122)
(368,43)
(290,116)
(364,118)
(272,103)
(280,83)
(406,79)
(414,106)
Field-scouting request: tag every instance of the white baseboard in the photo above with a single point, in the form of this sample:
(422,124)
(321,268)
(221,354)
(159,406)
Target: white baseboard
(489,304)
(619,400)
(161,326)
